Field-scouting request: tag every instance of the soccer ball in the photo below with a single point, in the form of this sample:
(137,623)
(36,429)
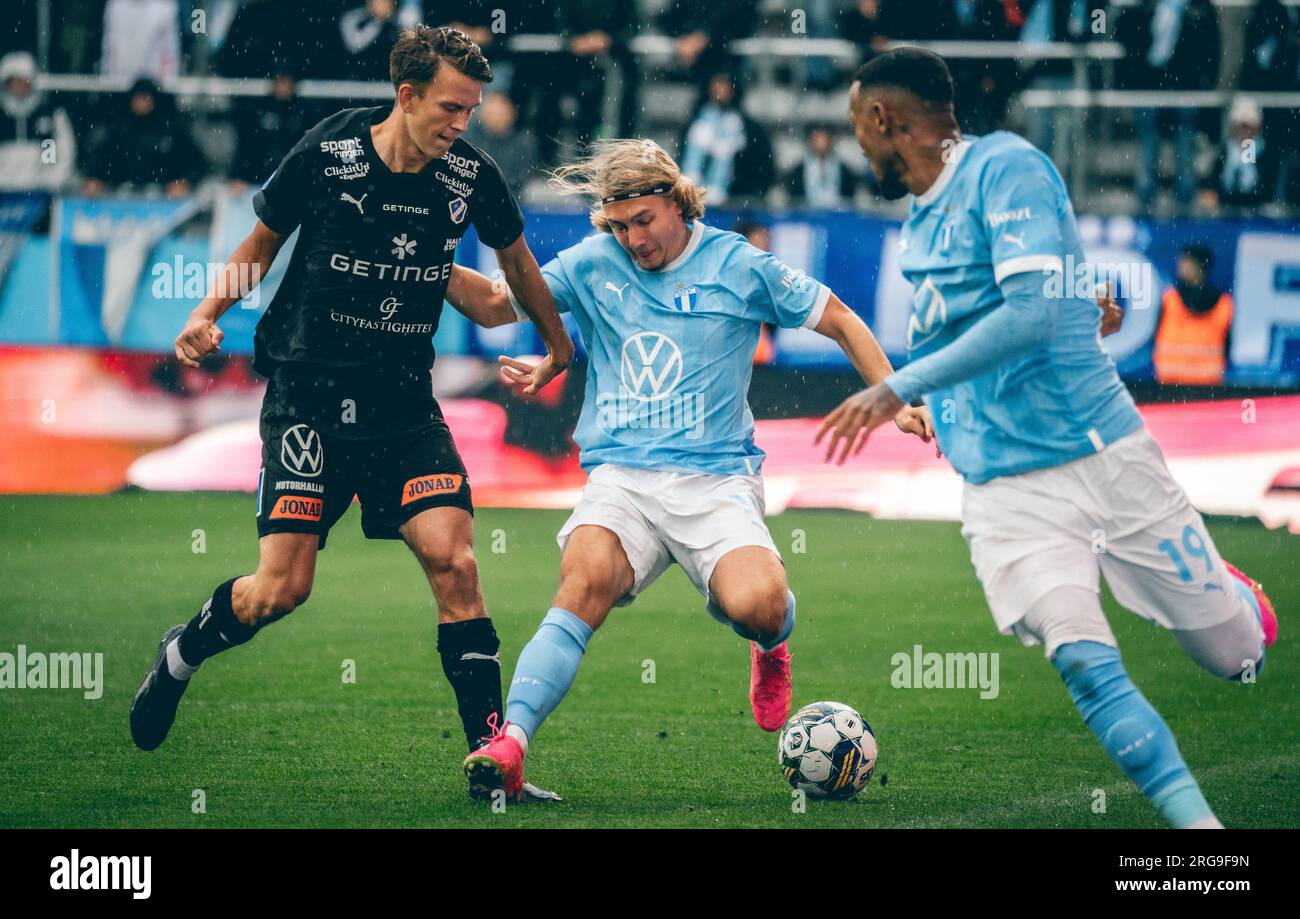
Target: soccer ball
(827,750)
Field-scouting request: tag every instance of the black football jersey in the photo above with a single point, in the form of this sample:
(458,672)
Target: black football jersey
(364,289)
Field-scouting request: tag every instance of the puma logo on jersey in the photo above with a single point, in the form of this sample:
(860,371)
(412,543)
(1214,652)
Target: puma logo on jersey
(1018,240)
(609,285)
(351,200)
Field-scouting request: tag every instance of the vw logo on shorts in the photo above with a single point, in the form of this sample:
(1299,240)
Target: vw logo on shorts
(301,451)
(651,366)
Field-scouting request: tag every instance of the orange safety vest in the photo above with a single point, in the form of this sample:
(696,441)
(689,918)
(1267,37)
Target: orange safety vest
(1189,346)
(765,353)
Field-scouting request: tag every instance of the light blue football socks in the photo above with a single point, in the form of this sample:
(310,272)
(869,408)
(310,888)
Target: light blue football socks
(1132,731)
(546,669)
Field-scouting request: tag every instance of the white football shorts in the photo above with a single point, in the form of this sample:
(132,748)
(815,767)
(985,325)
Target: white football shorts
(1117,513)
(661,517)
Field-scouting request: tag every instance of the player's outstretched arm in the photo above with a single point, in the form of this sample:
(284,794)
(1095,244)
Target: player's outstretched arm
(243,271)
(525,280)
(846,329)
(480,299)
(1024,322)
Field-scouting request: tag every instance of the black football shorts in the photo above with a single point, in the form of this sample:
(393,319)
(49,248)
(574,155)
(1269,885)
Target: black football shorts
(308,478)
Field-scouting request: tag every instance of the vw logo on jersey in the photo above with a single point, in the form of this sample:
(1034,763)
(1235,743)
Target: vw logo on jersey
(929,316)
(686,298)
(457,207)
(651,366)
(301,451)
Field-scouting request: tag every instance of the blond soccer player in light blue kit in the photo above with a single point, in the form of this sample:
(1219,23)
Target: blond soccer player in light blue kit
(670,310)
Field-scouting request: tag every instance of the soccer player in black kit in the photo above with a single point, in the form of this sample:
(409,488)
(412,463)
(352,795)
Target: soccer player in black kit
(381,198)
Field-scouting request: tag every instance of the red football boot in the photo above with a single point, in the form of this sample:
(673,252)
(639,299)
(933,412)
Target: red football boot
(499,763)
(770,689)
(1267,616)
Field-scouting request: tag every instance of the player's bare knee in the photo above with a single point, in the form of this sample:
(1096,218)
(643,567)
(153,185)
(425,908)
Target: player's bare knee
(274,598)
(770,610)
(449,564)
(759,608)
(590,585)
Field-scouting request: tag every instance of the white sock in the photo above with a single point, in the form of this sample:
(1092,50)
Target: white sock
(519,734)
(176,665)
(1207,823)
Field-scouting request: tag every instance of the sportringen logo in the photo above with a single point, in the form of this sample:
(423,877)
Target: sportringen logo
(461,165)
(301,451)
(348,149)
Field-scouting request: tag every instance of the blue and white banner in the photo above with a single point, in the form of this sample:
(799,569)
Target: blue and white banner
(1256,260)
(101,250)
(19,212)
(112,257)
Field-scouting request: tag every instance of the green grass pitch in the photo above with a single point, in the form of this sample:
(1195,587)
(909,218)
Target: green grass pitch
(273,737)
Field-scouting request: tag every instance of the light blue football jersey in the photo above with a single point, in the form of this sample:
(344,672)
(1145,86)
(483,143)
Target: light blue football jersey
(671,351)
(1000,208)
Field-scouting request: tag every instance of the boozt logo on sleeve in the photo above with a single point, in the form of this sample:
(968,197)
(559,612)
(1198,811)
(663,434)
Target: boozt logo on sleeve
(794,279)
(998,218)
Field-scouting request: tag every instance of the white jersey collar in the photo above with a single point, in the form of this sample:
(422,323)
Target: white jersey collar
(945,175)
(697,233)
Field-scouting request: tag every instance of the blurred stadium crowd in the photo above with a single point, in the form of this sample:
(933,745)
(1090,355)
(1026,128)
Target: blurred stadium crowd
(1148,106)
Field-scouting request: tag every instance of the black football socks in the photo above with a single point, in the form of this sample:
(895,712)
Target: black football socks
(471,659)
(213,630)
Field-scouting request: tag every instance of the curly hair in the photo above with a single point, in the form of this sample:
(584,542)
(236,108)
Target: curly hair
(615,167)
(418,53)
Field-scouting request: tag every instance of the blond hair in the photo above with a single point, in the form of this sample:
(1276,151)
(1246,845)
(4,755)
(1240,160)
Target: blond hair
(617,167)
